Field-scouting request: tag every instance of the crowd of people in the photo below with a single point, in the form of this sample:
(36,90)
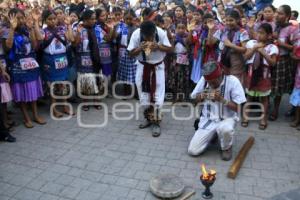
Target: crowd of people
(161,47)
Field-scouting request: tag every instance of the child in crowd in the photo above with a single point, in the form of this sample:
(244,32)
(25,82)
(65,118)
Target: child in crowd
(104,37)
(179,79)
(261,55)
(127,65)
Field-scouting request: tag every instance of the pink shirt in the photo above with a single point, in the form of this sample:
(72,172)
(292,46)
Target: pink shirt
(285,36)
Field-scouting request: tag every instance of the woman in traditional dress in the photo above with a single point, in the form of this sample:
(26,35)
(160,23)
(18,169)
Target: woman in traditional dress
(283,72)
(23,67)
(87,57)
(127,65)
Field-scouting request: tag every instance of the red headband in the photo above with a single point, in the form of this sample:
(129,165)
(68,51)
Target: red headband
(215,74)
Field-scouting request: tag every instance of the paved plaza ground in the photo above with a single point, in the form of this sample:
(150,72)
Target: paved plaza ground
(62,161)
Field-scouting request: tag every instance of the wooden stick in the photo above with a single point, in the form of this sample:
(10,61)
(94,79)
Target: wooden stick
(188,195)
(239,159)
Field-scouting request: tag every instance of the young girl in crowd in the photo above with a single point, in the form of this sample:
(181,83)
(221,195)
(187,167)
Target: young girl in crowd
(159,21)
(117,16)
(169,27)
(232,44)
(87,56)
(179,14)
(127,65)
(24,69)
(168,23)
(203,52)
(55,62)
(179,79)
(161,8)
(261,55)
(189,18)
(74,17)
(268,17)
(117,13)
(72,75)
(282,73)
(104,37)
(60,15)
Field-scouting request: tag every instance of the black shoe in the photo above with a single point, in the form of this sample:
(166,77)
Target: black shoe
(146,123)
(8,138)
(155,130)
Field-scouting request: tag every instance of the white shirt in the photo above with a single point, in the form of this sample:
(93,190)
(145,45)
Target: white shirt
(233,92)
(154,57)
(179,48)
(271,50)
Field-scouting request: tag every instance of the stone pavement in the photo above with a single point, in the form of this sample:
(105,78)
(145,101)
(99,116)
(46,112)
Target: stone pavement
(62,161)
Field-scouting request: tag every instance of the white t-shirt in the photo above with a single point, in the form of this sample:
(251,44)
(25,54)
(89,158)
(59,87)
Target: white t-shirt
(179,48)
(55,47)
(154,57)
(233,92)
(271,50)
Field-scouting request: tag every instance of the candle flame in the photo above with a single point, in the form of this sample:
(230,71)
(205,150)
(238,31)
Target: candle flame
(204,172)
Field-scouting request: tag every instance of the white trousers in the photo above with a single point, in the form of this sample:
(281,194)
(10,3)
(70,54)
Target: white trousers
(160,85)
(203,136)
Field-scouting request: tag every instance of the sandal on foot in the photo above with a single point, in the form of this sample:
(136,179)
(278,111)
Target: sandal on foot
(262,126)
(69,113)
(98,107)
(28,124)
(40,121)
(58,114)
(85,108)
(245,124)
(273,117)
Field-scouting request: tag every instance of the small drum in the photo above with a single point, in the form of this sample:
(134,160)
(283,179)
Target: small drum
(167,186)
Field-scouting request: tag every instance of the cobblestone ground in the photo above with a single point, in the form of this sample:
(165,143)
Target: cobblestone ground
(62,161)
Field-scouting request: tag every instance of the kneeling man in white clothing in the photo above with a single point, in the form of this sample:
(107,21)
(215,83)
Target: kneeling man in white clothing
(221,96)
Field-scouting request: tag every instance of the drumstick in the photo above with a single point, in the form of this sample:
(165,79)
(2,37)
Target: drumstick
(239,159)
(188,195)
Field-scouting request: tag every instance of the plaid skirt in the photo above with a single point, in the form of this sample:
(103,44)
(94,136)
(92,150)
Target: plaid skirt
(282,77)
(127,68)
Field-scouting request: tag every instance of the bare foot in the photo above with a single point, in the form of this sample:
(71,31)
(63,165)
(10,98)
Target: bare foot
(98,107)
(39,120)
(263,125)
(28,124)
(57,114)
(68,112)
(273,116)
